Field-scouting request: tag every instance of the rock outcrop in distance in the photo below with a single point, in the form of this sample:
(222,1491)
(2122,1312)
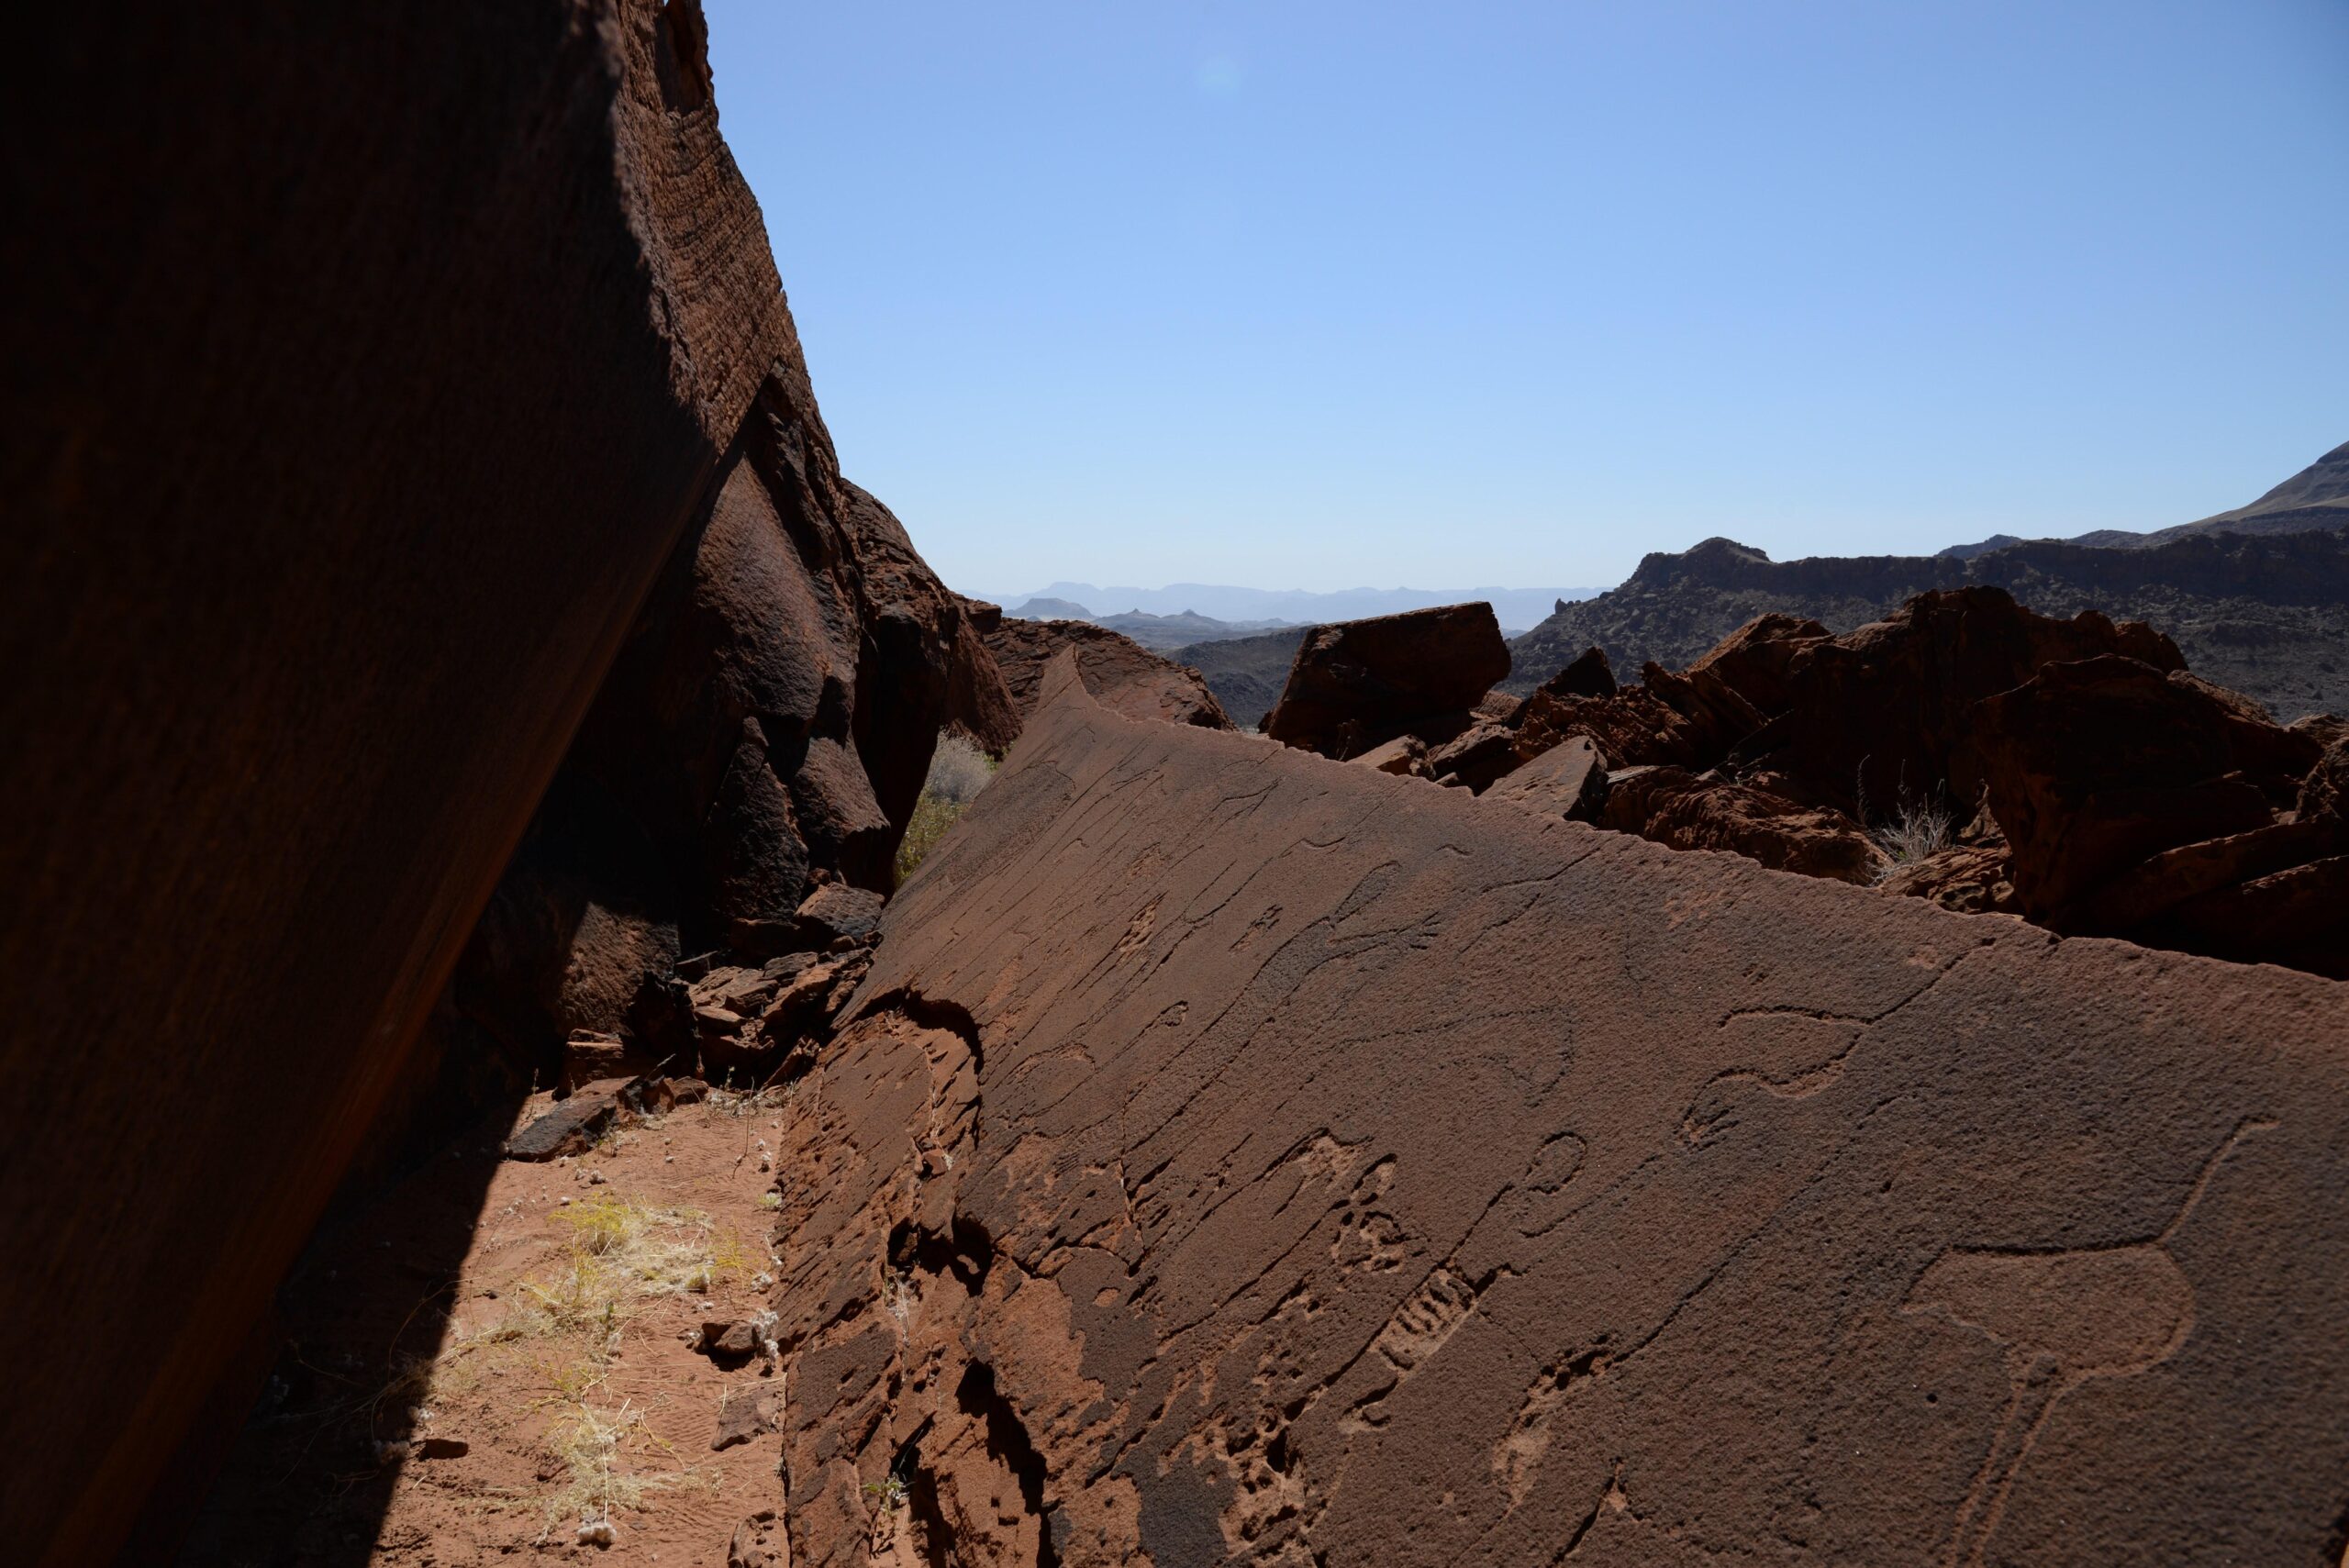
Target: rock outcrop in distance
(1964,750)
(2316,497)
(1117,670)
(2267,615)
(1236,1156)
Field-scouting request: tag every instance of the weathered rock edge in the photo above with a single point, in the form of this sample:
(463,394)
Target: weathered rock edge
(1282,1161)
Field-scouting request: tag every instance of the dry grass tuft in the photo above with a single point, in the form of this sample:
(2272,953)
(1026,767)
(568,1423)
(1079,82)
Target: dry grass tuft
(958,771)
(619,1254)
(1918,831)
(611,1462)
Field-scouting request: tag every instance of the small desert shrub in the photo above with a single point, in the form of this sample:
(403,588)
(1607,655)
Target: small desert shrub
(958,771)
(1917,831)
(619,1254)
(601,1450)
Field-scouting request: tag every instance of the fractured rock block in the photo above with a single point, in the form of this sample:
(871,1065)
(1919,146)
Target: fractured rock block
(1568,780)
(1357,683)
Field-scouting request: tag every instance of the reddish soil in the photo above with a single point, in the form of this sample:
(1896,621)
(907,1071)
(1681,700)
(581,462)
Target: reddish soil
(423,1320)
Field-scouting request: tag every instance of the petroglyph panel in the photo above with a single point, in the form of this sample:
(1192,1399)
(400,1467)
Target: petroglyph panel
(1412,1183)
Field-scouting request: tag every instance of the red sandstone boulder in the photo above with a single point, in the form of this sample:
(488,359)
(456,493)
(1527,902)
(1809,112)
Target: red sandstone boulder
(1358,683)
(1719,718)
(365,367)
(1406,756)
(2160,882)
(1631,728)
(2271,756)
(2298,917)
(1587,675)
(1497,706)
(2324,792)
(2093,766)
(2327,729)
(1757,659)
(1472,758)
(1116,669)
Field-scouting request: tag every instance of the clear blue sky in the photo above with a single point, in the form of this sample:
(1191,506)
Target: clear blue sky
(1324,293)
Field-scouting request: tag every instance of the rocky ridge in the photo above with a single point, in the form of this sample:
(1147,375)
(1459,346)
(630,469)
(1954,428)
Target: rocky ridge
(2265,614)
(1244,673)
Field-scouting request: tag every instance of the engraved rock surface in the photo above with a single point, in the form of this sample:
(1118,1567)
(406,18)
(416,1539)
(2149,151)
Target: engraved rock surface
(1237,1157)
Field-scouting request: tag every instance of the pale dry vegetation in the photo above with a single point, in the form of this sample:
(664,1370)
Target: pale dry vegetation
(567,1321)
(958,771)
(1918,831)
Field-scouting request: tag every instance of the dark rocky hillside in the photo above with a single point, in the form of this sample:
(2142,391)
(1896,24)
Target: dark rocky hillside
(1245,673)
(2267,615)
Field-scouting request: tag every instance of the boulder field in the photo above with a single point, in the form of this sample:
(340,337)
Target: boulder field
(1233,1157)
(1965,749)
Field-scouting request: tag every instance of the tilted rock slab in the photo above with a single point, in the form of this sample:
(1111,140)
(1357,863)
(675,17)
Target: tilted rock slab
(1239,1157)
(370,364)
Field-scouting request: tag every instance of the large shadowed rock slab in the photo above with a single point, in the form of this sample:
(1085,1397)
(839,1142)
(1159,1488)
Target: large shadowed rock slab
(1237,1157)
(1883,716)
(367,364)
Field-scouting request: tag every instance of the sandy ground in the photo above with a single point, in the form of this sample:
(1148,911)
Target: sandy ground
(498,1353)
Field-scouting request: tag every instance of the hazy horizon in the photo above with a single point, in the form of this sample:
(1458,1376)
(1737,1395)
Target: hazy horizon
(1323,295)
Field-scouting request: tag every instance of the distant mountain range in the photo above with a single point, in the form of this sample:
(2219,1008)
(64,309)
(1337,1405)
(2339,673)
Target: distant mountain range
(1265,607)
(2257,598)
(1159,634)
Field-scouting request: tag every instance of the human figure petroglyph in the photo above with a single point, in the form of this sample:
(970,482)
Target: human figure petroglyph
(2065,1317)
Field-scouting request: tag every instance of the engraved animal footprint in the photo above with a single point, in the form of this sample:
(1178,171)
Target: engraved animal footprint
(2064,1318)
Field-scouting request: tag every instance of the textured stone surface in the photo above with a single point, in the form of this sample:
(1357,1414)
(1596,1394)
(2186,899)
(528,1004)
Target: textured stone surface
(1238,1157)
(1117,670)
(370,362)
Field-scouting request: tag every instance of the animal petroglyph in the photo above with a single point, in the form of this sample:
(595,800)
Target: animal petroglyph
(2064,1319)
(1790,1056)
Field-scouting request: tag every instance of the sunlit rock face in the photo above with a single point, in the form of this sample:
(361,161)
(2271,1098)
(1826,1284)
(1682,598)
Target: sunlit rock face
(1235,1155)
